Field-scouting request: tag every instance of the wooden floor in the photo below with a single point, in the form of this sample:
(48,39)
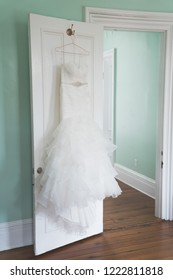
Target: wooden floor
(131,232)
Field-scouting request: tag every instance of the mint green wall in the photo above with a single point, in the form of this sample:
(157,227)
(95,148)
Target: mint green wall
(136,98)
(15,126)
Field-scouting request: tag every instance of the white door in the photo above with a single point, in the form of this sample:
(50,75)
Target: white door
(109,78)
(46,35)
(108,108)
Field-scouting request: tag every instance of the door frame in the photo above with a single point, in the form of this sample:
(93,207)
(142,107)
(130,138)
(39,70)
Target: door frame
(113,19)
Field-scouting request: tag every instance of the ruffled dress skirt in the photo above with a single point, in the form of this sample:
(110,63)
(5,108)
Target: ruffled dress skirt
(77,173)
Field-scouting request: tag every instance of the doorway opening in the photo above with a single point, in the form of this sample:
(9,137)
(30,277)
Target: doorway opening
(132,119)
(112,19)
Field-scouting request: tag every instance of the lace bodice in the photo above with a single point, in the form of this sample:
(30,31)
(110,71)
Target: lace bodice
(74,74)
(75,99)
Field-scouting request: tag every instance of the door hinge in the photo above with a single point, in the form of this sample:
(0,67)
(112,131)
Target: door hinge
(162,160)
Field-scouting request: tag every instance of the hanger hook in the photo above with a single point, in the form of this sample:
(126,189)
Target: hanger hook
(70,31)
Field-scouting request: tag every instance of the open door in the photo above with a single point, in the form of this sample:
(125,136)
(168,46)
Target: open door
(108,108)
(109,77)
(46,35)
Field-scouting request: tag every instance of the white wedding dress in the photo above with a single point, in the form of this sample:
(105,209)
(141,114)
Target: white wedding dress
(77,170)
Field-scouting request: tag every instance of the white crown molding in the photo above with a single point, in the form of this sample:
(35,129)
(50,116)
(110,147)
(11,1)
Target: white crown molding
(129,20)
(16,234)
(92,13)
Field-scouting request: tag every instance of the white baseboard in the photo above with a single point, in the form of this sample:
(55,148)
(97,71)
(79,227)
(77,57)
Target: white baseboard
(15,234)
(136,180)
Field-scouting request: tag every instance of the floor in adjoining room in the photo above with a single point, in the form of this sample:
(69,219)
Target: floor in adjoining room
(131,232)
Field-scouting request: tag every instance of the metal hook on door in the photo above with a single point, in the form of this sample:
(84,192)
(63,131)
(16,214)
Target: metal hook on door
(70,31)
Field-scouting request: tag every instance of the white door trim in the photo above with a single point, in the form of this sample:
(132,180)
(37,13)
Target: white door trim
(154,22)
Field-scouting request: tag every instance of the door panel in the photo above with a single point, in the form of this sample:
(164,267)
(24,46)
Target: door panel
(46,34)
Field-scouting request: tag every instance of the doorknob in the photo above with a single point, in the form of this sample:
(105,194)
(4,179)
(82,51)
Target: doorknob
(39,170)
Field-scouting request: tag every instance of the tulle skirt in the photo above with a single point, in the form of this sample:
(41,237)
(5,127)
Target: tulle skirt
(77,172)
